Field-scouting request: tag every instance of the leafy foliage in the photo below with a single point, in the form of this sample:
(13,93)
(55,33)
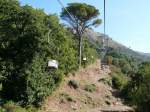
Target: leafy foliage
(131,78)
(87,18)
(138,89)
(29,38)
(127,64)
(89,52)
(119,81)
(81,16)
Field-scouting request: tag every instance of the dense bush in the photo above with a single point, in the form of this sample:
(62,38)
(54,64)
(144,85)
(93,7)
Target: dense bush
(132,79)
(137,92)
(127,64)
(25,50)
(119,81)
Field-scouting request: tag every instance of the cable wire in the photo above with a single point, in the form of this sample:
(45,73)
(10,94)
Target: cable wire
(65,9)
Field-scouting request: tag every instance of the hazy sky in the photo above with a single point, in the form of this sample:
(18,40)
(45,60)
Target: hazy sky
(128,21)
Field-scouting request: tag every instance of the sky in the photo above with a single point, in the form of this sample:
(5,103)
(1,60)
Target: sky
(127,21)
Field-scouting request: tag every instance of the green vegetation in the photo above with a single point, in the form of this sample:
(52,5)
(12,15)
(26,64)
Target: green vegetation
(122,66)
(74,84)
(107,81)
(132,78)
(12,107)
(29,38)
(119,81)
(127,64)
(25,53)
(88,53)
(2,109)
(137,92)
(81,16)
(90,88)
(25,50)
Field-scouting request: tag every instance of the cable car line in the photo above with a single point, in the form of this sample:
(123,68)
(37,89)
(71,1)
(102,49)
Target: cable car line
(65,9)
(105,41)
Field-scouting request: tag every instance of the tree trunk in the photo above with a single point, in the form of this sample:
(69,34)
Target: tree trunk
(80,51)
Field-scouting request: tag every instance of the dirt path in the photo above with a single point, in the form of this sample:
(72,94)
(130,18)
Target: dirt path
(116,108)
(67,99)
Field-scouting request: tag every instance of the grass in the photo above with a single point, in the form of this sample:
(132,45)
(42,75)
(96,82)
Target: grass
(90,88)
(66,97)
(10,106)
(2,109)
(106,81)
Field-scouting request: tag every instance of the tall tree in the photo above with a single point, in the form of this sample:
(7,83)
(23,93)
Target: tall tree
(80,16)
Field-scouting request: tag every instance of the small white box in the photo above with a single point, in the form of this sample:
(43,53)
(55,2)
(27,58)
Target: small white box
(53,64)
(84,59)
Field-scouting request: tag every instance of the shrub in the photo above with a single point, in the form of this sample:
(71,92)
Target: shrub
(102,80)
(74,84)
(89,52)
(24,58)
(90,88)
(2,109)
(119,81)
(25,51)
(65,96)
(137,92)
(12,107)
(106,81)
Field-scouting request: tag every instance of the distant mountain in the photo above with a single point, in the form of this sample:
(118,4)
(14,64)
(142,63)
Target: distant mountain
(147,54)
(97,38)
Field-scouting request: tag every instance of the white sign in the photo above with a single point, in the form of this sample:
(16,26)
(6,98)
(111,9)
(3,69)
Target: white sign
(84,59)
(53,64)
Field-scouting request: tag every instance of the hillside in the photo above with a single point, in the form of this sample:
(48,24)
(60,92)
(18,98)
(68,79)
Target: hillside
(96,38)
(148,54)
(44,67)
(102,98)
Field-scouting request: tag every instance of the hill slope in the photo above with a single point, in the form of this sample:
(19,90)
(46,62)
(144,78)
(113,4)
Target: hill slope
(96,38)
(68,99)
